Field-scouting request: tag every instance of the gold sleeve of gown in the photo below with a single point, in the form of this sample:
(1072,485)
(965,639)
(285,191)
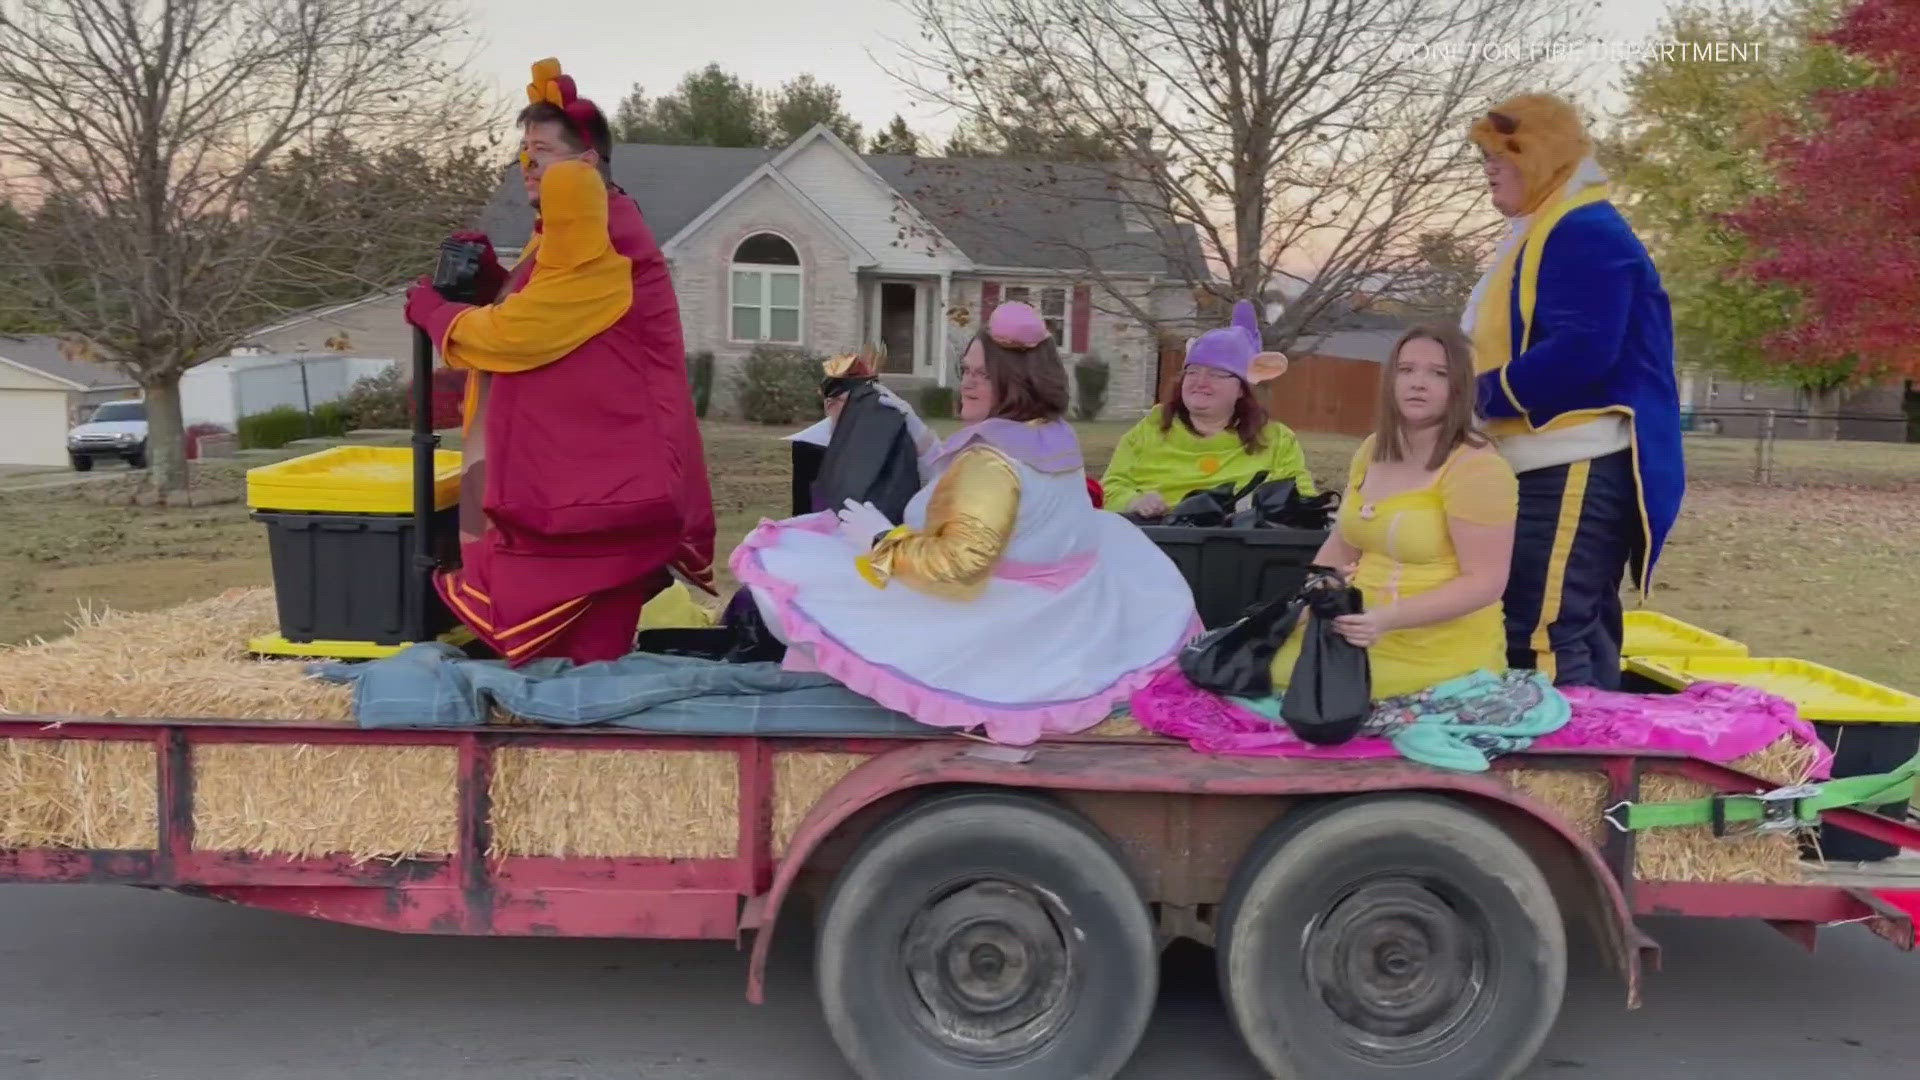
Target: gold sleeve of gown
(970,519)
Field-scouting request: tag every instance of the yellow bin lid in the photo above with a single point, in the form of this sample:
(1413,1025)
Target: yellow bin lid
(1650,633)
(351,480)
(1822,693)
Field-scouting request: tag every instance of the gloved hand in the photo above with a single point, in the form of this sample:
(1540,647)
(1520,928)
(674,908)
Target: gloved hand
(917,429)
(861,524)
(422,302)
(493,276)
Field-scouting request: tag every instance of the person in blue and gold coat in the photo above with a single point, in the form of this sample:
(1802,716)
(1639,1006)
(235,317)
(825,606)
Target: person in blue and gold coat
(1573,341)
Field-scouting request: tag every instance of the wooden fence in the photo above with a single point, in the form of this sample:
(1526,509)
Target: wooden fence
(1318,393)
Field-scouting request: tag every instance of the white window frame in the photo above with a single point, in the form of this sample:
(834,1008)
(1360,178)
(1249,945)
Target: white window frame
(1058,325)
(766,274)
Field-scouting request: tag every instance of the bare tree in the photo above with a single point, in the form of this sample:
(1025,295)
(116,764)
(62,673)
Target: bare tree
(140,131)
(1299,146)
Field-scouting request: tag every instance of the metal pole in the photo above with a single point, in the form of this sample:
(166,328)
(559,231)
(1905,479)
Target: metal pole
(306,393)
(425,442)
(1766,447)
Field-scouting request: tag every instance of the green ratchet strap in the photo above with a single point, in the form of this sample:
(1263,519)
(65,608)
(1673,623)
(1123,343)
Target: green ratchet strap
(1771,811)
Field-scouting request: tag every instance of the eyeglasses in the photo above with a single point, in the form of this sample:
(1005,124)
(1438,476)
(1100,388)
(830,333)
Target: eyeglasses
(1197,373)
(545,158)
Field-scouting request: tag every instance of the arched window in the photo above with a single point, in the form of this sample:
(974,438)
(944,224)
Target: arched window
(765,300)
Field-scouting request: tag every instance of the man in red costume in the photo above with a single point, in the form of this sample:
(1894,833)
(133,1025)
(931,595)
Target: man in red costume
(584,486)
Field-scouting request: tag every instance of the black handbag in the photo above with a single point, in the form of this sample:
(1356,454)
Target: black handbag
(1331,691)
(1236,660)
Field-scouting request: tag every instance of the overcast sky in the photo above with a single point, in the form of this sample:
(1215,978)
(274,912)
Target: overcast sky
(608,45)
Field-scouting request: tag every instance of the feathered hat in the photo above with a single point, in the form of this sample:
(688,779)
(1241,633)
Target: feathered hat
(1540,133)
(555,88)
(1236,348)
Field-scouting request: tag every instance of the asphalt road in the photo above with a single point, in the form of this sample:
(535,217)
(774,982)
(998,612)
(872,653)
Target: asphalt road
(120,984)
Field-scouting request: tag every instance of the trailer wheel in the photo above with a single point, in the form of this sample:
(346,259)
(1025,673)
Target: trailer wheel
(1400,936)
(986,935)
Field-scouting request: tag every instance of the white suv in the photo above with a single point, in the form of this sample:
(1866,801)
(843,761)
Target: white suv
(117,429)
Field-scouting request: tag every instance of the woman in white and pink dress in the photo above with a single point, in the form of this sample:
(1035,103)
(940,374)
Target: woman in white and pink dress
(1005,602)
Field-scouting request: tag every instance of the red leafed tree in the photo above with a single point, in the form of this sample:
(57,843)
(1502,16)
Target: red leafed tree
(1843,225)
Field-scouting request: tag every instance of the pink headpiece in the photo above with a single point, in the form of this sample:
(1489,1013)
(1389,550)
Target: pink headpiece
(1014,325)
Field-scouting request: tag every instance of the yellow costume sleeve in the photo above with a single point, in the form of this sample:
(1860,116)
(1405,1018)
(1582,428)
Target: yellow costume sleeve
(1285,459)
(969,523)
(1121,484)
(580,285)
(1480,488)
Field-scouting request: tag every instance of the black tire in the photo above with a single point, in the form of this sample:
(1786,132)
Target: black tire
(81,462)
(1395,936)
(986,935)
(137,459)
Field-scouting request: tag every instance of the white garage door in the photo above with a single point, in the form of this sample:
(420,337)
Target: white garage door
(33,427)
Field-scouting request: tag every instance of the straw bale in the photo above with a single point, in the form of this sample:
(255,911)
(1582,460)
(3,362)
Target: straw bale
(78,793)
(1579,796)
(1119,726)
(187,662)
(800,778)
(370,802)
(1693,853)
(661,804)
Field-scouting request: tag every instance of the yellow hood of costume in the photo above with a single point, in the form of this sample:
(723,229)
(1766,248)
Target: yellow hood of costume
(1543,135)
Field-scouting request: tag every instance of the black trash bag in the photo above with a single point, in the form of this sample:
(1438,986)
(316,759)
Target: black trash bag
(752,641)
(1331,691)
(1314,513)
(1265,505)
(1237,659)
(870,458)
(1211,508)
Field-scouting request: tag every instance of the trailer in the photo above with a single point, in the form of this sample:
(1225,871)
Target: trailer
(994,911)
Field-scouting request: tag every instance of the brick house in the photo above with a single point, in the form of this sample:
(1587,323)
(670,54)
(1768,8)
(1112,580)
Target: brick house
(821,248)
(1715,404)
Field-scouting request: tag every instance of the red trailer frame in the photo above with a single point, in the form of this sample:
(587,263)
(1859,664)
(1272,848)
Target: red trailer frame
(1183,819)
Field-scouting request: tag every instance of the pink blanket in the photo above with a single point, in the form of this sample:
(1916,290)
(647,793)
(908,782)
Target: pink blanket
(1714,721)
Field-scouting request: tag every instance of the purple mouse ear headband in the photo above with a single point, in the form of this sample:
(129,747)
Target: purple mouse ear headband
(1014,325)
(1235,348)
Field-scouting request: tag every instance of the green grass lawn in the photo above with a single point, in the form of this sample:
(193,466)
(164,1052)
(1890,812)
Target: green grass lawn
(1820,566)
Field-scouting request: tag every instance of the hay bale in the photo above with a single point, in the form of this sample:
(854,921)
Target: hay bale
(661,804)
(1119,726)
(1693,853)
(75,793)
(187,662)
(1578,796)
(800,778)
(302,801)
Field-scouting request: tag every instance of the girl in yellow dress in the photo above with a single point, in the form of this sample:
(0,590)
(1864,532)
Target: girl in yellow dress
(1425,530)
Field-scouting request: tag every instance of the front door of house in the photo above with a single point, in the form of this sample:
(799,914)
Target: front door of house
(899,318)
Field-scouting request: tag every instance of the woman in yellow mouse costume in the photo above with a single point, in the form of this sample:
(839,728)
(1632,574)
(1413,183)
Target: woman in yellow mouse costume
(1212,432)
(1004,601)
(1573,341)
(585,484)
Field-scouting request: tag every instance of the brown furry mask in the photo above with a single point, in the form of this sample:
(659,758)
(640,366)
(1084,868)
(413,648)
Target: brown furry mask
(1540,133)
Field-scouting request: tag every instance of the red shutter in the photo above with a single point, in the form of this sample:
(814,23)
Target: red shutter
(989,299)
(1082,317)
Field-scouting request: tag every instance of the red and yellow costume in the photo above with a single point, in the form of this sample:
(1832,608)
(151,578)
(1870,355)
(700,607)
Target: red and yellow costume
(585,481)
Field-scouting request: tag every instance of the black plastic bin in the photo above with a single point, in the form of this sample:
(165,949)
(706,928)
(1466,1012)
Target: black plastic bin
(1861,750)
(1230,570)
(348,577)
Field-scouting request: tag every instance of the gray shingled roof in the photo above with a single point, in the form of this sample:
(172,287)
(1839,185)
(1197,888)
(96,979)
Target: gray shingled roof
(1375,344)
(1001,213)
(41,352)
